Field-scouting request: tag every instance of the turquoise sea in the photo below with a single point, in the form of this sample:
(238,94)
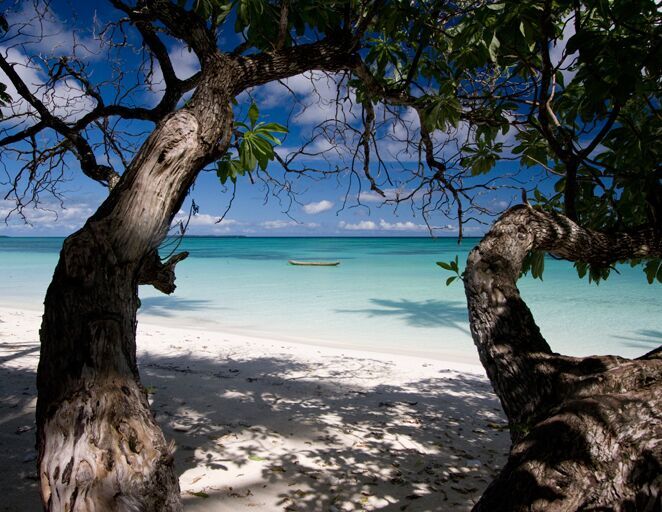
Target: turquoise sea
(387,294)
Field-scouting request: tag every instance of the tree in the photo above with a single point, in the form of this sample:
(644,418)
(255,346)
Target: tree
(585,431)
(474,75)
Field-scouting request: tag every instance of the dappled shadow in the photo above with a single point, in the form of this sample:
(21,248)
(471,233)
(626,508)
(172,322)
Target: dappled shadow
(590,424)
(18,474)
(17,350)
(245,429)
(271,433)
(425,313)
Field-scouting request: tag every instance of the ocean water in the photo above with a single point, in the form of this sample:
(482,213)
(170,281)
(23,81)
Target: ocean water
(387,294)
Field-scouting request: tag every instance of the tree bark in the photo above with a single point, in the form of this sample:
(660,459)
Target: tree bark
(587,432)
(99,446)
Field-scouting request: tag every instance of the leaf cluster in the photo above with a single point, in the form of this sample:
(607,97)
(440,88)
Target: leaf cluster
(255,145)
(452,266)
(258,21)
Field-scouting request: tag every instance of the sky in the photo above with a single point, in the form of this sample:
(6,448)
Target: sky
(341,205)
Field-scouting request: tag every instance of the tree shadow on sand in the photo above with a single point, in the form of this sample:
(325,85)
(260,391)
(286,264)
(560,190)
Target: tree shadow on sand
(18,393)
(428,445)
(309,433)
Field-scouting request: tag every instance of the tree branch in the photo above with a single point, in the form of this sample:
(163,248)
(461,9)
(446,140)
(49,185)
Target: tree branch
(181,23)
(326,55)
(101,173)
(369,124)
(161,275)
(519,362)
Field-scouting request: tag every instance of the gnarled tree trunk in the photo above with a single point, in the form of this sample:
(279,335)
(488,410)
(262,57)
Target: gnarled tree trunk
(99,446)
(587,432)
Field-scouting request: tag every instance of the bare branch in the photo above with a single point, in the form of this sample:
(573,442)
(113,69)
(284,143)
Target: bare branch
(161,275)
(101,173)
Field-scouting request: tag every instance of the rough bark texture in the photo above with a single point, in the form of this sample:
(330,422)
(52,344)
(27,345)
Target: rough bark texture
(99,446)
(587,432)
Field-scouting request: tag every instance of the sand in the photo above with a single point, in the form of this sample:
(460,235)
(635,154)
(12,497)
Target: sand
(267,425)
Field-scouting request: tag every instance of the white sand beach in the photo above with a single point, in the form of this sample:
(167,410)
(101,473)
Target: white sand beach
(267,425)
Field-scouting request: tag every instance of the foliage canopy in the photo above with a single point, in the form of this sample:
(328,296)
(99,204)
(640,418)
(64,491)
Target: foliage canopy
(566,91)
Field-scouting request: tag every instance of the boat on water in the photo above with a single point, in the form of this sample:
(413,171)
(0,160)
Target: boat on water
(314,263)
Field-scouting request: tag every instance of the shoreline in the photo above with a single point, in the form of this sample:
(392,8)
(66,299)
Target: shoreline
(271,425)
(460,357)
(468,363)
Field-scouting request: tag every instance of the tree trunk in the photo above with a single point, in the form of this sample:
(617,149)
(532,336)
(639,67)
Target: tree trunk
(587,432)
(99,446)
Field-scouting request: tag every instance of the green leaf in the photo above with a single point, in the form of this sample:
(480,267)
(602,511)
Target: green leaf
(537,264)
(256,458)
(228,168)
(274,127)
(247,156)
(653,271)
(493,47)
(199,494)
(444,265)
(450,280)
(441,112)
(253,113)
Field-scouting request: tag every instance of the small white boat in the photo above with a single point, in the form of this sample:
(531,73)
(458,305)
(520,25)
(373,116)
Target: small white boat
(314,263)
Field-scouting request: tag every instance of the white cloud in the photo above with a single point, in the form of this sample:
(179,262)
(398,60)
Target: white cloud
(383,225)
(390,194)
(371,197)
(364,225)
(48,217)
(319,207)
(317,96)
(203,219)
(321,149)
(40,30)
(184,62)
(282,224)
(278,224)
(203,223)
(401,226)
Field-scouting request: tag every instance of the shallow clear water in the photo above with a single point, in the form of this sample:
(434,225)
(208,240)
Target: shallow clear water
(386,294)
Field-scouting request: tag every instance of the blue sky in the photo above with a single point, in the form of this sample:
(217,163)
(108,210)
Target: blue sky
(340,205)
